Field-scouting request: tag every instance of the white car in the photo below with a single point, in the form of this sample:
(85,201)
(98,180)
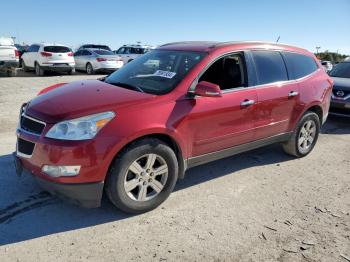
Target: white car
(327,65)
(48,57)
(130,52)
(93,60)
(9,56)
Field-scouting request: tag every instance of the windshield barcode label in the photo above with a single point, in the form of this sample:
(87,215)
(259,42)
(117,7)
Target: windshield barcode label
(166,74)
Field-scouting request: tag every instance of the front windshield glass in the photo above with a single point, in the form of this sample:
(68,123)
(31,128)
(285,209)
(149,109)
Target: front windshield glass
(157,72)
(341,70)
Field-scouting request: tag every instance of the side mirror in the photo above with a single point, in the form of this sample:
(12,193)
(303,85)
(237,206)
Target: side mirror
(207,89)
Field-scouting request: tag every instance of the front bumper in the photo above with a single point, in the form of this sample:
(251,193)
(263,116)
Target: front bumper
(87,195)
(340,107)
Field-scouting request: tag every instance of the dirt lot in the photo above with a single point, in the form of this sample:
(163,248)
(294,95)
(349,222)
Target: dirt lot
(258,206)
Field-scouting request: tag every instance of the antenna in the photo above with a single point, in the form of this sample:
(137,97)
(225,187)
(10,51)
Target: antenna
(278,39)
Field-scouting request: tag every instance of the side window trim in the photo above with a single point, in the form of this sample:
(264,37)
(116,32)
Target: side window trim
(248,71)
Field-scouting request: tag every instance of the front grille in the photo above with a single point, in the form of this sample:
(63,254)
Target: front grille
(25,147)
(340,93)
(31,125)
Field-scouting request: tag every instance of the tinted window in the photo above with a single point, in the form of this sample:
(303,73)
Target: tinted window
(78,53)
(341,70)
(33,48)
(86,52)
(270,67)
(57,49)
(121,50)
(103,52)
(97,46)
(299,65)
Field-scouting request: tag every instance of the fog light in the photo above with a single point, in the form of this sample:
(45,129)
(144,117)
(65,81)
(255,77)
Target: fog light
(58,171)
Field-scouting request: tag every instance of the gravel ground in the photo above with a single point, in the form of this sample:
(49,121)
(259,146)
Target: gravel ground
(258,206)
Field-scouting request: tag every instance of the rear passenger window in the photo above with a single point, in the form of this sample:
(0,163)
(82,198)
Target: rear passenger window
(270,67)
(299,65)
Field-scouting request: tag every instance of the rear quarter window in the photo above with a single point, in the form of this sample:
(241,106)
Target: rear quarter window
(299,65)
(270,67)
(57,49)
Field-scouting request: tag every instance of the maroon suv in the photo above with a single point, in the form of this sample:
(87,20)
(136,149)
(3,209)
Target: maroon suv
(134,133)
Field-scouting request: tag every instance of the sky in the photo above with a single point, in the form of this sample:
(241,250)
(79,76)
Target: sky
(304,23)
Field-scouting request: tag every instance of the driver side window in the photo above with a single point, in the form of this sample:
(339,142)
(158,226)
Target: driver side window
(228,72)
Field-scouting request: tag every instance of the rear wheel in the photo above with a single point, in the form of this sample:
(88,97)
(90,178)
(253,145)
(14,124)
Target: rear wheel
(38,70)
(305,136)
(89,69)
(142,176)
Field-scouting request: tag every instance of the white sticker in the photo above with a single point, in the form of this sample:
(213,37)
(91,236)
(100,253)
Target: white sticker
(166,74)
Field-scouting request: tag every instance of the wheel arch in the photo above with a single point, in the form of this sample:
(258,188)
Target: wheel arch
(167,139)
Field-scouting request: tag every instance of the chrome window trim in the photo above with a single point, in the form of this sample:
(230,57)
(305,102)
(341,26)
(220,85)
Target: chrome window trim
(234,89)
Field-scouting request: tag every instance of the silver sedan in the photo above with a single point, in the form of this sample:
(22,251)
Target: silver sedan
(97,60)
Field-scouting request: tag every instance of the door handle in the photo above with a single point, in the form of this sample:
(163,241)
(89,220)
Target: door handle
(293,93)
(247,102)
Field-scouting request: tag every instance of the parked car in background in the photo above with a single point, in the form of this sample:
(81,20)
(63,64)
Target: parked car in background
(48,57)
(136,132)
(9,56)
(21,50)
(93,60)
(340,103)
(130,52)
(327,65)
(94,46)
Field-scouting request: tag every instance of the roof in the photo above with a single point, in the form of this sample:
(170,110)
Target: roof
(207,46)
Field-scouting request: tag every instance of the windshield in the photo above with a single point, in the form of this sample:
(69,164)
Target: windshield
(157,72)
(341,70)
(103,52)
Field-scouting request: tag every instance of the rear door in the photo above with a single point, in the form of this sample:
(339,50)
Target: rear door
(277,96)
(31,55)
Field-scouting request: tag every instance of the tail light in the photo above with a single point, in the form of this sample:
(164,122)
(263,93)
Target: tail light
(70,54)
(16,53)
(100,59)
(45,54)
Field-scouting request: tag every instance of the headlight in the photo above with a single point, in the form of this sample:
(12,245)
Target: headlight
(82,128)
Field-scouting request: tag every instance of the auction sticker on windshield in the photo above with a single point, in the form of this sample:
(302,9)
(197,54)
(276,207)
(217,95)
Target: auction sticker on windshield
(166,74)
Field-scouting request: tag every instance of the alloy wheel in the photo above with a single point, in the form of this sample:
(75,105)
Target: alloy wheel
(146,177)
(306,136)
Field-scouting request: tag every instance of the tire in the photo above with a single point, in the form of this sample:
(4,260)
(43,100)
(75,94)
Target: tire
(89,69)
(71,72)
(38,70)
(11,72)
(141,152)
(299,136)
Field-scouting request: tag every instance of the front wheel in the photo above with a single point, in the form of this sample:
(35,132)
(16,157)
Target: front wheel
(89,69)
(305,136)
(142,176)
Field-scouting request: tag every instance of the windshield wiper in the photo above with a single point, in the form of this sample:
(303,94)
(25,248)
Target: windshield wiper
(128,86)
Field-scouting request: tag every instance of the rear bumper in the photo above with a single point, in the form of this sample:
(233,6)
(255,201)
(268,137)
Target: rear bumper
(8,64)
(54,68)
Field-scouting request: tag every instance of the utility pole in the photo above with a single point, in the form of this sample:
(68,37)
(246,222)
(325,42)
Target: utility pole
(317,48)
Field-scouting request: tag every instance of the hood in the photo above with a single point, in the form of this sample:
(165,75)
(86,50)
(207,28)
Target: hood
(82,98)
(341,83)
